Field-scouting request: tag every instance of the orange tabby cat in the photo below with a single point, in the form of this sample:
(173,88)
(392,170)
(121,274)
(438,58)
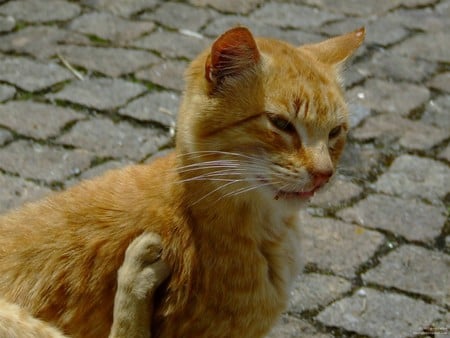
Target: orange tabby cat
(261,128)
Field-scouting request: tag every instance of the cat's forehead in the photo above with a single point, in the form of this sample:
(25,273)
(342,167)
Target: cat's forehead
(301,88)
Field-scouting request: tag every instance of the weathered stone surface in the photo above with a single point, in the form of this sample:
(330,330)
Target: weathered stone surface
(288,15)
(314,290)
(117,140)
(33,75)
(357,114)
(110,27)
(391,66)
(168,74)
(35,119)
(441,82)
(358,161)
(381,314)
(16,191)
(384,31)
(161,107)
(412,176)
(387,128)
(99,93)
(410,218)
(426,46)
(6,92)
(43,162)
(389,97)
(437,113)
(7,23)
(171,44)
(336,193)
(355,7)
(40,41)
(37,11)
(445,154)
(180,16)
(291,327)
(109,61)
(5,136)
(230,6)
(327,241)
(414,269)
(258,28)
(123,8)
(428,20)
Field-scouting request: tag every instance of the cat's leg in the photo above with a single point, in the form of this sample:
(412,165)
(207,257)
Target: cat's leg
(16,322)
(140,274)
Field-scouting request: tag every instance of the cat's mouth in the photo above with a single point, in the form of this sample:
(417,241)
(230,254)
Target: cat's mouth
(279,193)
(295,194)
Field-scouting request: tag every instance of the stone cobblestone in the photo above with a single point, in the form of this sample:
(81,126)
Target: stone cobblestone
(49,164)
(407,217)
(161,107)
(376,242)
(118,140)
(326,242)
(99,93)
(381,314)
(36,120)
(414,269)
(36,76)
(411,176)
(39,11)
(108,61)
(110,27)
(6,92)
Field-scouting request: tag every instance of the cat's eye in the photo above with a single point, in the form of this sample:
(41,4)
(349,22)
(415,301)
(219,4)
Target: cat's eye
(335,132)
(281,123)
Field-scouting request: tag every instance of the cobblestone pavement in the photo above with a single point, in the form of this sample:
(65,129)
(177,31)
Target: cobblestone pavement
(377,243)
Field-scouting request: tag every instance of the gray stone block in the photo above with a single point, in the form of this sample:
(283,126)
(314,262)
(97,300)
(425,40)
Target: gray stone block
(412,176)
(113,62)
(41,162)
(110,27)
(381,314)
(36,120)
(117,140)
(99,93)
(410,218)
(414,269)
(38,11)
(161,107)
(327,244)
(31,75)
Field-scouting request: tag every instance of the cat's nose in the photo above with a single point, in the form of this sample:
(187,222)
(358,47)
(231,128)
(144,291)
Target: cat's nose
(321,178)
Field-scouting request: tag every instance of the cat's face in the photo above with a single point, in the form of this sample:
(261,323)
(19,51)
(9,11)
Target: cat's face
(265,118)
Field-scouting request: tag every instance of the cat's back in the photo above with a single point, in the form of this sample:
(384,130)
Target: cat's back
(59,256)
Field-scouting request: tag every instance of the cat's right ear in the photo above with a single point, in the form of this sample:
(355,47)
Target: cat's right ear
(232,54)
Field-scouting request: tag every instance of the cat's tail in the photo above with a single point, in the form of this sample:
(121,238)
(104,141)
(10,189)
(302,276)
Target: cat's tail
(16,322)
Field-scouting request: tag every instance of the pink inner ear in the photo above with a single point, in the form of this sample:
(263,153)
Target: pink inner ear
(231,54)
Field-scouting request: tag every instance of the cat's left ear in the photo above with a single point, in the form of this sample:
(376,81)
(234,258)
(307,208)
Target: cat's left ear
(232,54)
(336,50)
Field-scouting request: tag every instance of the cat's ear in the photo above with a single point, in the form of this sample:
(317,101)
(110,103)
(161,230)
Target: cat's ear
(233,53)
(336,50)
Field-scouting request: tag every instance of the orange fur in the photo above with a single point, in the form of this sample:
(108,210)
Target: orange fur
(232,246)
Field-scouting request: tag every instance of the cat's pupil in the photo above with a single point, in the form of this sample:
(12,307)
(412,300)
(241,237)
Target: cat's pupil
(335,132)
(281,123)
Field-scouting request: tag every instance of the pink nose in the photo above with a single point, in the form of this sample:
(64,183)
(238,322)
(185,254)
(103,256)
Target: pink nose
(321,178)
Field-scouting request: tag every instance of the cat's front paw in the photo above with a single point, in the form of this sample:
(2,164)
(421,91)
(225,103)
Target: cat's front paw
(143,269)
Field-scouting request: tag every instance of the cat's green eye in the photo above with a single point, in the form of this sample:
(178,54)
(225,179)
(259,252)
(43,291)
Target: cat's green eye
(335,132)
(281,123)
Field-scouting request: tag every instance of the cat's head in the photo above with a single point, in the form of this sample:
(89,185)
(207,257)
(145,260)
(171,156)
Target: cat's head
(264,117)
